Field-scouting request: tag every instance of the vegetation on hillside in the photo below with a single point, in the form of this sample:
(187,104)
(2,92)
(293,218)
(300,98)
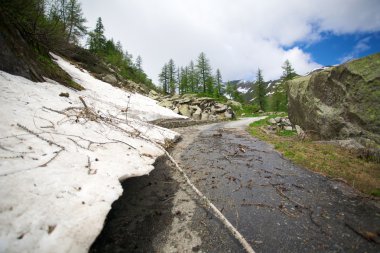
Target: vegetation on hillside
(59,26)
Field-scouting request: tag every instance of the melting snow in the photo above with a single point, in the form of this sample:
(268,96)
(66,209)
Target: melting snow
(61,165)
(242,90)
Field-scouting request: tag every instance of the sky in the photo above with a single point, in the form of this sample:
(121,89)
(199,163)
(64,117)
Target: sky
(240,36)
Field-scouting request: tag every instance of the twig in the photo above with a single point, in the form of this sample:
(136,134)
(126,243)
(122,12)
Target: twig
(83,102)
(288,198)
(76,143)
(39,136)
(213,208)
(90,171)
(51,159)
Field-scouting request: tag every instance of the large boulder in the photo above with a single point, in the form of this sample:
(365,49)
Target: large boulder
(184,110)
(339,102)
(110,78)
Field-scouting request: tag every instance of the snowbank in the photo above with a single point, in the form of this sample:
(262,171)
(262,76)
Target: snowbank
(60,163)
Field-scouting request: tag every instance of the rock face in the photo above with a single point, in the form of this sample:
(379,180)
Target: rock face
(339,102)
(203,108)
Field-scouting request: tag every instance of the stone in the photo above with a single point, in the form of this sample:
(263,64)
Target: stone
(204,116)
(111,79)
(278,119)
(235,105)
(153,93)
(196,116)
(184,101)
(339,102)
(212,117)
(219,108)
(288,128)
(272,121)
(286,122)
(299,131)
(166,103)
(228,115)
(176,110)
(184,110)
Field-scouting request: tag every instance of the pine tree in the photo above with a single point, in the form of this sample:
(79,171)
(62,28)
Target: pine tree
(75,27)
(192,78)
(288,72)
(204,71)
(164,79)
(184,81)
(172,76)
(218,83)
(260,90)
(138,63)
(280,96)
(97,40)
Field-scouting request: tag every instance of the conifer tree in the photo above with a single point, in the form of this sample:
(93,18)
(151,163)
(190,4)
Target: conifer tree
(172,76)
(138,63)
(280,96)
(97,40)
(218,82)
(75,27)
(164,79)
(260,89)
(184,81)
(204,71)
(192,78)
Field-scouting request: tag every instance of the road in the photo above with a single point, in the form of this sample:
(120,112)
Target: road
(275,205)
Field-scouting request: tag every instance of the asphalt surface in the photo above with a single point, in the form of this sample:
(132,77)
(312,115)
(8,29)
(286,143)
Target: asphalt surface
(275,205)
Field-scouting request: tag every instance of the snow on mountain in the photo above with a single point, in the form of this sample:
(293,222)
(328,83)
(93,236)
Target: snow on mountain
(61,163)
(242,90)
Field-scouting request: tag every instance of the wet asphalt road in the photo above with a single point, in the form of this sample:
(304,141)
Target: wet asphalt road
(276,206)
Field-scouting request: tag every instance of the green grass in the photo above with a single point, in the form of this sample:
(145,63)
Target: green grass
(329,160)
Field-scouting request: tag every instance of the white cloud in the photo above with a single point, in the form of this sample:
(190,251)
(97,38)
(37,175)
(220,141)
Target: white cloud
(238,36)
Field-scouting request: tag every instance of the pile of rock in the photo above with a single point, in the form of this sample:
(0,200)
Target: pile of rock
(203,108)
(283,123)
(280,123)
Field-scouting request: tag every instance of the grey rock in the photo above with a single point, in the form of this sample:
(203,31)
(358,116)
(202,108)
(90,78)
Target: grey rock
(288,128)
(184,101)
(272,121)
(204,116)
(213,117)
(228,115)
(339,102)
(111,79)
(184,110)
(299,130)
(166,103)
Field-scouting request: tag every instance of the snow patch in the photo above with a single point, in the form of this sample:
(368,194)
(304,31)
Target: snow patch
(61,164)
(242,90)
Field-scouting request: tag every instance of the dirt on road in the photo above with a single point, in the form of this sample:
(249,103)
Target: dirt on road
(275,205)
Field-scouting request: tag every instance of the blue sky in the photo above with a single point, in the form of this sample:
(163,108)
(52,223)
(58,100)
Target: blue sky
(241,36)
(335,49)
